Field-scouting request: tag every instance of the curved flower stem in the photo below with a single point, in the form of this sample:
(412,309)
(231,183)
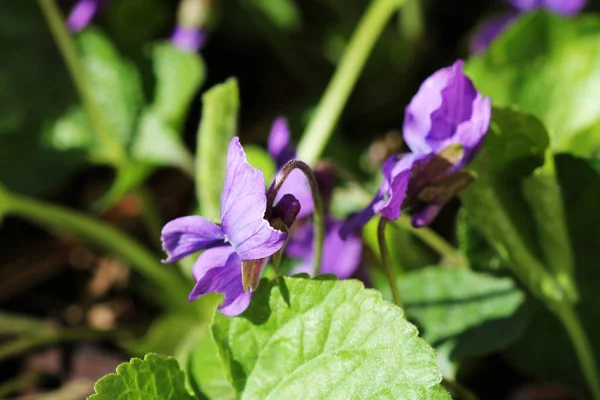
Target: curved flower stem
(113,150)
(171,285)
(387,264)
(567,314)
(318,213)
(340,87)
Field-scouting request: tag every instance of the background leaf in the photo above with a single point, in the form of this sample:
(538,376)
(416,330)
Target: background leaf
(515,145)
(153,378)
(550,67)
(179,76)
(114,83)
(545,350)
(325,339)
(474,311)
(219,124)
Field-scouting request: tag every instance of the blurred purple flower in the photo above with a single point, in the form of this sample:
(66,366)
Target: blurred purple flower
(489,31)
(188,39)
(81,15)
(244,236)
(492,28)
(340,257)
(563,7)
(444,126)
(282,150)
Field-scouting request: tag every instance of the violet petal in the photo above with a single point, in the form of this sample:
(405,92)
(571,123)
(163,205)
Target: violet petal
(186,235)
(188,39)
(81,15)
(447,110)
(340,257)
(396,173)
(218,270)
(279,143)
(243,206)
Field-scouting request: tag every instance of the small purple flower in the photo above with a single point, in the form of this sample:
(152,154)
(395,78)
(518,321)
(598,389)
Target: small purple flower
(563,7)
(489,31)
(188,39)
(391,195)
(447,110)
(340,257)
(82,14)
(244,236)
(282,150)
(444,126)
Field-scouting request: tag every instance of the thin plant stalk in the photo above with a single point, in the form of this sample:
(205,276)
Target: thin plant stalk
(318,213)
(171,285)
(387,262)
(567,314)
(340,87)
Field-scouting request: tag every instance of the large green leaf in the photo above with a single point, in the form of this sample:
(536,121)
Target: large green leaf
(114,83)
(477,313)
(514,147)
(542,192)
(207,370)
(179,75)
(153,378)
(548,66)
(545,350)
(219,124)
(325,339)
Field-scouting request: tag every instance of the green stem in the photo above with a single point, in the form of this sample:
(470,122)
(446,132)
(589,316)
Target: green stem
(23,381)
(344,79)
(387,263)
(172,287)
(585,352)
(66,335)
(113,151)
(451,255)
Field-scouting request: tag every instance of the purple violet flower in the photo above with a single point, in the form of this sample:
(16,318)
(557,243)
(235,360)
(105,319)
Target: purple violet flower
(244,239)
(563,7)
(282,150)
(492,28)
(81,15)
(188,39)
(447,110)
(340,257)
(444,126)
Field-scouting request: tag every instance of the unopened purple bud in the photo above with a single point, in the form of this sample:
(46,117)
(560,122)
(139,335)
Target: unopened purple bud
(82,14)
(188,39)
